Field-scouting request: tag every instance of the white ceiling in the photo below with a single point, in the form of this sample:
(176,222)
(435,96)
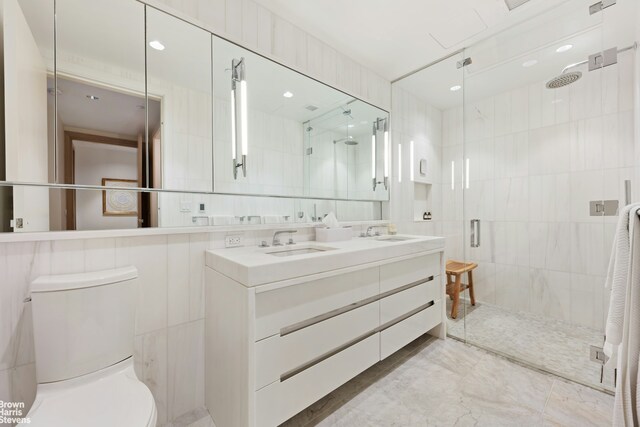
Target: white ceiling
(113,112)
(498,60)
(394,37)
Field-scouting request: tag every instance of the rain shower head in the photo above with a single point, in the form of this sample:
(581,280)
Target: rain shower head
(347,141)
(564,79)
(596,61)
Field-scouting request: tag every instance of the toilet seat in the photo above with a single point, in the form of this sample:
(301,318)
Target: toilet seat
(110,397)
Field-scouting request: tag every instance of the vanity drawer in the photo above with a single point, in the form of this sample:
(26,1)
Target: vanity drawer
(408,271)
(278,355)
(283,399)
(283,308)
(403,302)
(397,336)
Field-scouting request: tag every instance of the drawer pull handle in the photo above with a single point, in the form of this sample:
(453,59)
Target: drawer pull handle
(325,356)
(405,316)
(338,311)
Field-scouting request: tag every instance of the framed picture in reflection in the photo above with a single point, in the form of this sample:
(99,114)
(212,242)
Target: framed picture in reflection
(119,202)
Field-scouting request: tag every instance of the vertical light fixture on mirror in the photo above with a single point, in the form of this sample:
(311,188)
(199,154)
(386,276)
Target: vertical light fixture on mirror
(374,156)
(380,125)
(239,84)
(399,163)
(411,160)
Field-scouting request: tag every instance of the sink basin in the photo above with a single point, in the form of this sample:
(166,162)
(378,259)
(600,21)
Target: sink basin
(394,238)
(293,251)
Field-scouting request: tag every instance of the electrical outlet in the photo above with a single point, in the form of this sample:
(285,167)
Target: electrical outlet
(233,241)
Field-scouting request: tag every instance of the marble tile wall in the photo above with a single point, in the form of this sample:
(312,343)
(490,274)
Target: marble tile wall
(537,157)
(415,120)
(169,335)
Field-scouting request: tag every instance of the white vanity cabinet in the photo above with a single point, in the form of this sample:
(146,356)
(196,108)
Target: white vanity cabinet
(274,349)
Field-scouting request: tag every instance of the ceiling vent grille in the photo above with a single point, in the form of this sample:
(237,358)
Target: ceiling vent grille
(512,4)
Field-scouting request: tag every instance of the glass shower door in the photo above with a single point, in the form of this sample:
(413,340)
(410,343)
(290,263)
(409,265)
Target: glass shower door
(538,168)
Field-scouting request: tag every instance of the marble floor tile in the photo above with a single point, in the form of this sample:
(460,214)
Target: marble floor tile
(549,344)
(197,418)
(448,383)
(571,404)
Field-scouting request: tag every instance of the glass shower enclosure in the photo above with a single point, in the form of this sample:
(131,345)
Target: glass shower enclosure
(536,143)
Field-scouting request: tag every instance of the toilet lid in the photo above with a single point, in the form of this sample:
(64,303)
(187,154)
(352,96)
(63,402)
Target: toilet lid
(116,400)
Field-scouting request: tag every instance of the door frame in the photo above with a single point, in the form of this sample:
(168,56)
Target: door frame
(69,165)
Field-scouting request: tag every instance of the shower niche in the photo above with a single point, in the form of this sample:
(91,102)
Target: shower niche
(423,206)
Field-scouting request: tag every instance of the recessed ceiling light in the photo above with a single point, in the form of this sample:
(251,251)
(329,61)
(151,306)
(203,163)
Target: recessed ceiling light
(455,88)
(529,63)
(156,45)
(287,94)
(349,126)
(93,97)
(564,48)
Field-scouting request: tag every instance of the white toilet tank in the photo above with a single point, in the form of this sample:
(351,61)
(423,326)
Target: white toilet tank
(82,322)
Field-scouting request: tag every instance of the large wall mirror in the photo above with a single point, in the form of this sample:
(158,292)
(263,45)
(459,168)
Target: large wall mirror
(303,138)
(120,94)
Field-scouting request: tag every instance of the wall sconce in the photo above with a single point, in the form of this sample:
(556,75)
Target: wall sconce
(399,162)
(411,166)
(380,125)
(239,84)
(466,175)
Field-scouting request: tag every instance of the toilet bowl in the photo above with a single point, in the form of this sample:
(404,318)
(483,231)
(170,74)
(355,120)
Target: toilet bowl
(83,334)
(111,397)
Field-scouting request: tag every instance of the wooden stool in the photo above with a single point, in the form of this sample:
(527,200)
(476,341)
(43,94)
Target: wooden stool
(454,287)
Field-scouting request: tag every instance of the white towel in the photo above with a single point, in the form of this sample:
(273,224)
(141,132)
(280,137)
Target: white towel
(622,342)
(616,282)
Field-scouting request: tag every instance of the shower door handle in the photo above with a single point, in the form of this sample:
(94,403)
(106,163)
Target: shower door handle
(475,233)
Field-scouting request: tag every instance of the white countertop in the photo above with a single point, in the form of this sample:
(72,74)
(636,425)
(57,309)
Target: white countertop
(252,265)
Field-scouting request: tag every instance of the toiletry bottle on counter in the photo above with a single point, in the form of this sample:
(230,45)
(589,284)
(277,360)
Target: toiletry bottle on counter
(392,229)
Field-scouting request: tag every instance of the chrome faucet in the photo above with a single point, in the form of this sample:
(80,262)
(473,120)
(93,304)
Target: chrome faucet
(276,240)
(371,228)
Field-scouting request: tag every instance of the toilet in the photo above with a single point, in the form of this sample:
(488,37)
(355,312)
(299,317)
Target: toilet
(83,328)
